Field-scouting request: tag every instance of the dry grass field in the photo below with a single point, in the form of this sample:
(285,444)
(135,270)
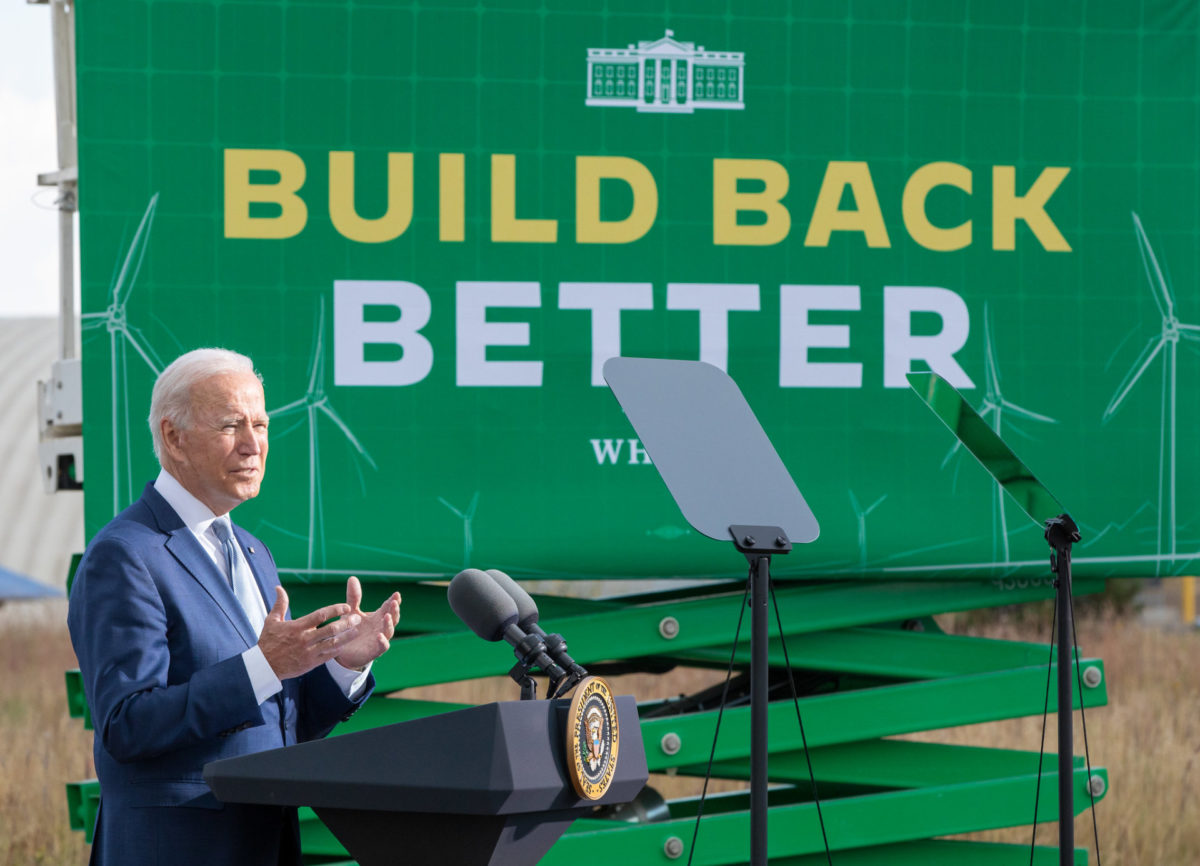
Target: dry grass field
(1148,736)
(41,748)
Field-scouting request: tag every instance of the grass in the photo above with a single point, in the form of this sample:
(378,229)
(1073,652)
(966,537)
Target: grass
(41,748)
(1148,736)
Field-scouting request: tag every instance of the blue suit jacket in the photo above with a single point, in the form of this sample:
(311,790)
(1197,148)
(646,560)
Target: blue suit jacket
(159,636)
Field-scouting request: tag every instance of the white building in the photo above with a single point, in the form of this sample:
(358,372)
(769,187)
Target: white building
(666,76)
(38,531)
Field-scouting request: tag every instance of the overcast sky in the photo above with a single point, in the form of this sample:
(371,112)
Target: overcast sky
(28,219)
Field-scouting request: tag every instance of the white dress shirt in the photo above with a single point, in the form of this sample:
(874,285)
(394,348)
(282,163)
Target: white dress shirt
(199,519)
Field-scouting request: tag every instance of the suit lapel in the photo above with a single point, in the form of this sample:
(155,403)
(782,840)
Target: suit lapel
(198,564)
(185,548)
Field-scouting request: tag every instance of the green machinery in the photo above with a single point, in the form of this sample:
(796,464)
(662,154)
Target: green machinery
(871,665)
(430,223)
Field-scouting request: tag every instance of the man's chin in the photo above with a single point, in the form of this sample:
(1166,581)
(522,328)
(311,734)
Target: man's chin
(247,489)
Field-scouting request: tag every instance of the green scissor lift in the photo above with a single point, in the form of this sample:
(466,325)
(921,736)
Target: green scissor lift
(870,664)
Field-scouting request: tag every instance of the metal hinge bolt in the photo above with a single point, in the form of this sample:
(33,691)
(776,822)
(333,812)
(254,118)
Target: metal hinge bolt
(673,848)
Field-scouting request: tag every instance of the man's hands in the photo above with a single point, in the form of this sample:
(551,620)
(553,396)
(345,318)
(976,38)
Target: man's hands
(294,647)
(372,637)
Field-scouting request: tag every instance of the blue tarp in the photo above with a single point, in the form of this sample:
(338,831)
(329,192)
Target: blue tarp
(15,586)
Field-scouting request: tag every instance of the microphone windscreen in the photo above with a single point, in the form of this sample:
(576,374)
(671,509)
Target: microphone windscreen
(527,610)
(479,602)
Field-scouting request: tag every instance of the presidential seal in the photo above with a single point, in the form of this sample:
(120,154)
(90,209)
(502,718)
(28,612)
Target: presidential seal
(593,737)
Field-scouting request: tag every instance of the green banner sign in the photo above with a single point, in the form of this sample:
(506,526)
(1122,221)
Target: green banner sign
(430,224)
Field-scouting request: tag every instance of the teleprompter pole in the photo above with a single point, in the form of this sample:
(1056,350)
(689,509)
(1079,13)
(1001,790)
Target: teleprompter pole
(758,543)
(1061,533)
(759,667)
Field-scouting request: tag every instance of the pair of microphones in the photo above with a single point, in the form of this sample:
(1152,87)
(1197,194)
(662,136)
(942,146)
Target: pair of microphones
(495,607)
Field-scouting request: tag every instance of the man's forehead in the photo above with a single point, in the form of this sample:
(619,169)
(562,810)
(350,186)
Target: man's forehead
(229,391)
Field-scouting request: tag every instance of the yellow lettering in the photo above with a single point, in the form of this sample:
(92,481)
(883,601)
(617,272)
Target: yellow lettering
(917,222)
(342,213)
(826,216)
(1008,207)
(506,226)
(451,197)
(589,228)
(728,202)
(240,193)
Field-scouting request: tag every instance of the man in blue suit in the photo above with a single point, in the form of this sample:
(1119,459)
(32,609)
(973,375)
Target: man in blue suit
(184,641)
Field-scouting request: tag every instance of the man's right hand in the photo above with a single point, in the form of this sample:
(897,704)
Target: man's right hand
(294,647)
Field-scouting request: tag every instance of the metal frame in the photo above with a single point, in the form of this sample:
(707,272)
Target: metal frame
(883,799)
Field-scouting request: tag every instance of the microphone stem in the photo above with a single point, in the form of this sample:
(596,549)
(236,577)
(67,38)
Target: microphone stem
(530,651)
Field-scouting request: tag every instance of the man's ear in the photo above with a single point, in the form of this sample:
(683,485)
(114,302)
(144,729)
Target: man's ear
(172,435)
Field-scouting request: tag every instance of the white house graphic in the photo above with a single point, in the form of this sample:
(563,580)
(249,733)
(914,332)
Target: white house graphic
(666,75)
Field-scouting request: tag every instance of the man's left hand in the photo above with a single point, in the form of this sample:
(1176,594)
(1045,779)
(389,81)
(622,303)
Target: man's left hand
(374,632)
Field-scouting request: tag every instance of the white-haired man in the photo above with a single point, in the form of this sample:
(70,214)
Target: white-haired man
(182,632)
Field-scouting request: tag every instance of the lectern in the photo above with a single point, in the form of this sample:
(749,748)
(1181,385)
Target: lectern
(484,785)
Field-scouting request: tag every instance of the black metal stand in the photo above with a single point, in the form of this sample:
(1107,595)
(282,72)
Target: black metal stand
(521,676)
(1061,533)
(758,543)
(522,672)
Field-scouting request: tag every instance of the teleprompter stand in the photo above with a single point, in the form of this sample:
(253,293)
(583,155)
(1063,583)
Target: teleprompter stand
(484,785)
(730,484)
(1061,533)
(758,543)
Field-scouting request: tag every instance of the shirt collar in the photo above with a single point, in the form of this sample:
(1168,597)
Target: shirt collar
(197,516)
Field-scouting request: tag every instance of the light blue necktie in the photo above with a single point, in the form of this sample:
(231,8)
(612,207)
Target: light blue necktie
(224,534)
(241,578)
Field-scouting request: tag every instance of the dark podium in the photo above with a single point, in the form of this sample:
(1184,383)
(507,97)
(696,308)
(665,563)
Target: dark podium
(484,785)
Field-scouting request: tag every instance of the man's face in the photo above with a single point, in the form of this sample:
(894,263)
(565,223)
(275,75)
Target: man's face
(221,457)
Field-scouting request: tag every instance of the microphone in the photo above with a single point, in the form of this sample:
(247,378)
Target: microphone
(527,609)
(491,613)
(527,620)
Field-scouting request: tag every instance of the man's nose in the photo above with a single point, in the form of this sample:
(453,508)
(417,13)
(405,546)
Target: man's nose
(248,441)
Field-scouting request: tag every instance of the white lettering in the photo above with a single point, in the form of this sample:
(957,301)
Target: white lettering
(606,301)
(637,454)
(607,450)
(901,347)
(378,324)
(714,301)
(797,335)
(474,333)
(352,333)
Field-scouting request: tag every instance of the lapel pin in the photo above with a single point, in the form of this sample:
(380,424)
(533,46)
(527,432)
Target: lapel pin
(252,550)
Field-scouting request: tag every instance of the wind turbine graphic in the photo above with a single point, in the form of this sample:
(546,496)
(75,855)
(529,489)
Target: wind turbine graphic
(467,517)
(992,410)
(1165,342)
(862,514)
(121,337)
(313,404)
